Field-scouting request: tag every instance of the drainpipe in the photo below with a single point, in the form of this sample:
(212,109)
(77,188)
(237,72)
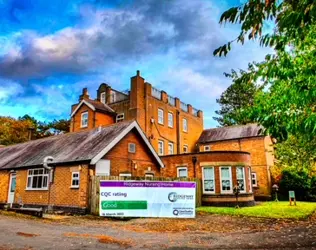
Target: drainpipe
(178,132)
(47,160)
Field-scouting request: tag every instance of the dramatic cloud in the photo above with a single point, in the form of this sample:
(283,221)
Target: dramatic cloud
(171,42)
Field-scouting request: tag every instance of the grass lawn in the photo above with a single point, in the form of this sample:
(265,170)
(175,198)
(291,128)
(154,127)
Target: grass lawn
(277,210)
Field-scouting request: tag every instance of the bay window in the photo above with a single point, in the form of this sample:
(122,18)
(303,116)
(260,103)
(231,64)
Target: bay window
(226,180)
(240,175)
(208,180)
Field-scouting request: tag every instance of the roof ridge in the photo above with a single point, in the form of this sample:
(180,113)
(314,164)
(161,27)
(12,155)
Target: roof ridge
(233,126)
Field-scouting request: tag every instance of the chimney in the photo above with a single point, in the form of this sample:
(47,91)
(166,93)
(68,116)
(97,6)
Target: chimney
(85,94)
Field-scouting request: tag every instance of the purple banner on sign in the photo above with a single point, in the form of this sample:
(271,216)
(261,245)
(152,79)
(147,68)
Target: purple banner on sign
(149,184)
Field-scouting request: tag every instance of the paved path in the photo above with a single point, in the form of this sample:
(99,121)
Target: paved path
(74,233)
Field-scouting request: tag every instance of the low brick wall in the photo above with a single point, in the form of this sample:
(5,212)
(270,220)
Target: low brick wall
(228,200)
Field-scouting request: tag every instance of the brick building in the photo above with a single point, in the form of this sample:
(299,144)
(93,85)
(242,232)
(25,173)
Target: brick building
(172,126)
(247,138)
(141,133)
(118,150)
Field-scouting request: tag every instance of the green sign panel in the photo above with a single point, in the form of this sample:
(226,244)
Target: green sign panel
(291,194)
(133,205)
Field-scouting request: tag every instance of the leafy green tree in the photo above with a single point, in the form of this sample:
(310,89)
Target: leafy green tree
(288,103)
(239,96)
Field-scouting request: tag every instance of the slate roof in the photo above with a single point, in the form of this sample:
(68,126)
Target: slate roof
(70,147)
(230,133)
(99,106)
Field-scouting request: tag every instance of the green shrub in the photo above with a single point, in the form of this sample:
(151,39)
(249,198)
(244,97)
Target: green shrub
(298,181)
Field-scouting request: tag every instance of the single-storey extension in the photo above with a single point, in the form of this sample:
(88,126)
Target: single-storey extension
(120,149)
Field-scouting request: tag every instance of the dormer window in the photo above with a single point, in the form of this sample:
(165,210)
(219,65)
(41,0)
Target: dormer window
(103,97)
(84,119)
(113,96)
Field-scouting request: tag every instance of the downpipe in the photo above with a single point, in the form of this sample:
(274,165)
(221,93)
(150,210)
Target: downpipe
(48,160)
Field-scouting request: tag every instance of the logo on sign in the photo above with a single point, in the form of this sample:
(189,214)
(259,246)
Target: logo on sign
(173,197)
(183,211)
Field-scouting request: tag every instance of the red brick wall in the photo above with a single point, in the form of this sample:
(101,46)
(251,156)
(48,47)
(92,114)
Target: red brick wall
(124,162)
(95,119)
(61,194)
(4,186)
(215,159)
(261,158)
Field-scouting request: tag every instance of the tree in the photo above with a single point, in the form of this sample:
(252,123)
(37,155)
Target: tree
(13,131)
(19,130)
(288,103)
(238,97)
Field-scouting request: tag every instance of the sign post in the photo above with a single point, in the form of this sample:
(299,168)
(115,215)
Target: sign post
(292,197)
(147,199)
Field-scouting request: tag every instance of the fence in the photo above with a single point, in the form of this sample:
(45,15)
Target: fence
(94,188)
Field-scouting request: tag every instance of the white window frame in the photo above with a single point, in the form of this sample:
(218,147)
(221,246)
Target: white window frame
(75,179)
(149,176)
(161,146)
(203,179)
(31,176)
(103,97)
(185,146)
(172,148)
(244,178)
(254,177)
(84,125)
(231,181)
(182,168)
(132,148)
(207,148)
(129,175)
(185,124)
(113,96)
(160,116)
(120,117)
(170,119)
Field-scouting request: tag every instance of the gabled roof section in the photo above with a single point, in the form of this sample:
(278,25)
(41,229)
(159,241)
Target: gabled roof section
(88,146)
(231,133)
(95,106)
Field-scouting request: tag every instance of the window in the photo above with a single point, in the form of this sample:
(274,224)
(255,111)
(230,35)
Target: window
(102,97)
(131,147)
(182,172)
(160,147)
(207,148)
(240,176)
(170,120)
(226,180)
(125,176)
(208,180)
(185,125)
(170,148)
(75,179)
(149,176)
(112,96)
(37,179)
(250,179)
(185,149)
(120,117)
(160,116)
(254,179)
(84,119)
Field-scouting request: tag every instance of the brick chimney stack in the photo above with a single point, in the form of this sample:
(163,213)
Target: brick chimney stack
(85,94)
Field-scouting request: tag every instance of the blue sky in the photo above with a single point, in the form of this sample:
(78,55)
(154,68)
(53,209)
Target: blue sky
(49,51)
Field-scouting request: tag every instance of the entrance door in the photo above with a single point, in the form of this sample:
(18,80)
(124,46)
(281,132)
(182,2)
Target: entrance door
(12,188)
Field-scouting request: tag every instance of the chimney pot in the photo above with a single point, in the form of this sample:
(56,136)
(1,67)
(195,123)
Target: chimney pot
(138,73)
